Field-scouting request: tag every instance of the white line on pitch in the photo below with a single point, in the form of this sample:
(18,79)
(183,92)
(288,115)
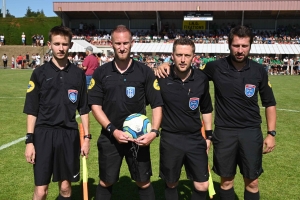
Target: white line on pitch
(12,97)
(17,141)
(288,110)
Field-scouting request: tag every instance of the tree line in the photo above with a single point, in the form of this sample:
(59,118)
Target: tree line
(29,13)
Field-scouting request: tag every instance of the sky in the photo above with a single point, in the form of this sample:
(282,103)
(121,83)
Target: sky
(18,8)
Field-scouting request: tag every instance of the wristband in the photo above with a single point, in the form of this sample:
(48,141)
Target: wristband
(110,128)
(209,134)
(155,131)
(89,136)
(29,138)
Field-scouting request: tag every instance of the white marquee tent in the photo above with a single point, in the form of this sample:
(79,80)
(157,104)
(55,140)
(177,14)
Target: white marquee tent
(80,45)
(218,48)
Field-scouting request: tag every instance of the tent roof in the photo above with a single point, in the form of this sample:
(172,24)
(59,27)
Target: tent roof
(80,45)
(218,48)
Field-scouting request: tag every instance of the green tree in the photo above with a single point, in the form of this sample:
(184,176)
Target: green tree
(8,15)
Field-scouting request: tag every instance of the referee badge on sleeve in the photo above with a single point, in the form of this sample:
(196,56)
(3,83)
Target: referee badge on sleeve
(72,94)
(193,103)
(92,83)
(249,90)
(30,86)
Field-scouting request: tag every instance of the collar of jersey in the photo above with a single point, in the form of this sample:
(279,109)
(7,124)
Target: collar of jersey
(230,65)
(129,70)
(174,76)
(57,69)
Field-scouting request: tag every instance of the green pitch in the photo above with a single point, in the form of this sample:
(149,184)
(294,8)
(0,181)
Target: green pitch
(281,167)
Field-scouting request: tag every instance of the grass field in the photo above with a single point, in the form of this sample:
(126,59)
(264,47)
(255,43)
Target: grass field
(279,181)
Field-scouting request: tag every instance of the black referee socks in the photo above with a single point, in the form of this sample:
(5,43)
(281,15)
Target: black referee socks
(103,193)
(147,193)
(171,193)
(197,195)
(227,194)
(251,196)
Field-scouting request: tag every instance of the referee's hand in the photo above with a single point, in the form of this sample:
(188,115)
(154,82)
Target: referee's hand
(30,153)
(145,139)
(122,137)
(269,144)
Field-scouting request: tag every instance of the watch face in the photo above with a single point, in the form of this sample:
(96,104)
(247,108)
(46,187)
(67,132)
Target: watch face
(273,133)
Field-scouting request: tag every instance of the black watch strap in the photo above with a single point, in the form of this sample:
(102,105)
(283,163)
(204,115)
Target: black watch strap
(273,133)
(89,136)
(156,131)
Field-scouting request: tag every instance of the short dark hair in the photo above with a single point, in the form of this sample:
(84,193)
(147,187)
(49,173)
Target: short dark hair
(183,41)
(60,30)
(121,28)
(240,31)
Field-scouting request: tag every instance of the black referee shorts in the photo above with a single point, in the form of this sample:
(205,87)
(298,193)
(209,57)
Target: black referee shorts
(57,154)
(188,149)
(242,147)
(111,154)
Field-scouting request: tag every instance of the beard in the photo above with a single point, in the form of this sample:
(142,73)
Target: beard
(238,60)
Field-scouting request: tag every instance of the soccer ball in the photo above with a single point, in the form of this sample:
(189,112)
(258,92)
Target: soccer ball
(136,125)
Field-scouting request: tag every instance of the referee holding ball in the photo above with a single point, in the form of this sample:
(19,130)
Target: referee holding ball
(118,89)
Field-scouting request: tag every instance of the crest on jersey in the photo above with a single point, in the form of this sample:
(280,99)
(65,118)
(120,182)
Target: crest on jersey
(73,94)
(193,103)
(249,90)
(130,91)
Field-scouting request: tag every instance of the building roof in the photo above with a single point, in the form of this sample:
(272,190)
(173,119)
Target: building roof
(167,9)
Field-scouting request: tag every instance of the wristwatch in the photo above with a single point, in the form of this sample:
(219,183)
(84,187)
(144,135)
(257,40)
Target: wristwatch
(155,131)
(273,133)
(89,136)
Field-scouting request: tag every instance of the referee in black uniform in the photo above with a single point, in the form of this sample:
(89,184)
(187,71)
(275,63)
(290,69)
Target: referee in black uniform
(56,90)
(118,89)
(185,93)
(237,138)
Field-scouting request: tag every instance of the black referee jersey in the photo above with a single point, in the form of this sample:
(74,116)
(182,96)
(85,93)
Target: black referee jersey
(183,101)
(54,95)
(236,92)
(123,94)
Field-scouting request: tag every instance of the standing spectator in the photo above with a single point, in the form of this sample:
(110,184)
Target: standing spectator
(13,62)
(37,60)
(24,64)
(23,36)
(38,38)
(41,40)
(27,58)
(76,59)
(89,64)
(33,40)
(56,91)
(291,64)
(118,89)
(103,59)
(33,62)
(4,59)
(181,140)
(1,39)
(20,61)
